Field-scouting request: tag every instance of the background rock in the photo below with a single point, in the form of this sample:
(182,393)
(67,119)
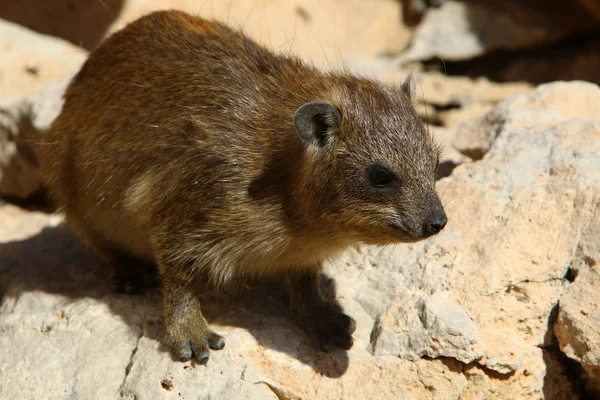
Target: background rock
(532,40)
(320,30)
(30,61)
(34,72)
(21,123)
(462,30)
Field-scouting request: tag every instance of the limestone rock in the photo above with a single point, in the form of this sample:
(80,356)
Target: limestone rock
(21,123)
(444,91)
(434,326)
(467,29)
(31,61)
(474,138)
(34,71)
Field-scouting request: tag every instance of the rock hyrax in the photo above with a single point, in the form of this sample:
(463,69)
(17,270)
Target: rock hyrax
(185,144)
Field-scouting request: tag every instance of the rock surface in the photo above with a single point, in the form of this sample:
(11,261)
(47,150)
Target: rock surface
(467,314)
(31,61)
(21,123)
(34,71)
(461,30)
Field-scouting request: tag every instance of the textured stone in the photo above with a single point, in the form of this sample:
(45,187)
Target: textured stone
(21,123)
(30,61)
(464,30)
(34,71)
(439,90)
(473,138)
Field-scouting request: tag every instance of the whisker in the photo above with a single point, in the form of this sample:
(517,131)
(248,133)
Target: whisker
(248,16)
(449,201)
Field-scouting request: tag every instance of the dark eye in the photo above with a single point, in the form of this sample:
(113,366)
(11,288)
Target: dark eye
(437,164)
(380,177)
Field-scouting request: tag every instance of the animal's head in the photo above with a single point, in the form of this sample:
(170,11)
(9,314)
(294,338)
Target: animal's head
(371,163)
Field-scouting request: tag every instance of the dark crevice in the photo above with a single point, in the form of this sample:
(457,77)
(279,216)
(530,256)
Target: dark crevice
(460,367)
(375,332)
(571,274)
(130,364)
(445,169)
(474,154)
(37,202)
(564,376)
(446,107)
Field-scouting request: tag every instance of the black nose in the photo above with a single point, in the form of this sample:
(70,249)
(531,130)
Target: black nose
(435,223)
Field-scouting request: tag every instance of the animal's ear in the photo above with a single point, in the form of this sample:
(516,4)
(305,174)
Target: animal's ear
(409,87)
(316,123)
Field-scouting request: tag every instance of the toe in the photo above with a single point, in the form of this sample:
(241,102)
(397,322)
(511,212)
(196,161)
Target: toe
(347,323)
(215,341)
(344,341)
(200,350)
(182,350)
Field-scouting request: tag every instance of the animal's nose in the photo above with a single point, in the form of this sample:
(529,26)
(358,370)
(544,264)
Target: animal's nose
(436,222)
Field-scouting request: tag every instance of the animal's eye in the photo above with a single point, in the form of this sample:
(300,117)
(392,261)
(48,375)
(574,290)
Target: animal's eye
(437,164)
(380,177)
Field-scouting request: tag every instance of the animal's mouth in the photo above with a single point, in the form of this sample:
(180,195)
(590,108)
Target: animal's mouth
(407,235)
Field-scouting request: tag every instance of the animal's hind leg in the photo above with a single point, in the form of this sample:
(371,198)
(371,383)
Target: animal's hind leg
(129,274)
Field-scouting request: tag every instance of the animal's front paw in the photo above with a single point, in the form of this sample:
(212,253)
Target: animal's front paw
(191,340)
(331,327)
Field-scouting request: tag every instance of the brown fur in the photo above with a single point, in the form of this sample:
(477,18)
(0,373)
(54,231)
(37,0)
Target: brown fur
(177,145)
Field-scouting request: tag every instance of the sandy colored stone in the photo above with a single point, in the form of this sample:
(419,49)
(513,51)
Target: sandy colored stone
(460,30)
(30,61)
(440,90)
(21,123)
(473,138)
(455,116)
(34,71)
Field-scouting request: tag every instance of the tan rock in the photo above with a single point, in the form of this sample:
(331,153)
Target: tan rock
(440,90)
(475,137)
(455,116)
(511,237)
(31,61)
(460,30)
(34,71)
(21,123)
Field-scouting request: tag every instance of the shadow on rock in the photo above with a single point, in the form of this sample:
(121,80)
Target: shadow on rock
(56,262)
(564,377)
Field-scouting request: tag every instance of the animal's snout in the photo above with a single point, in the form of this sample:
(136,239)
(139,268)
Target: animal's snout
(435,222)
